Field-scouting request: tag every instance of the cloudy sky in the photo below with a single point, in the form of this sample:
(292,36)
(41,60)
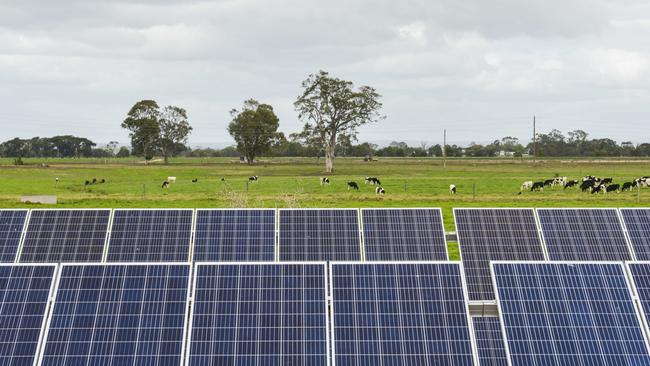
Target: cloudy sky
(478,68)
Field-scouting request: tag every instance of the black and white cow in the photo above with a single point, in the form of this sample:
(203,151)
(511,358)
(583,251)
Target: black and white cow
(559,181)
(452,189)
(548,182)
(165,184)
(627,186)
(613,188)
(607,181)
(589,177)
(254,179)
(571,183)
(588,184)
(525,186)
(353,185)
(599,188)
(537,187)
(380,190)
(195,180)
(324,181)
(373,181)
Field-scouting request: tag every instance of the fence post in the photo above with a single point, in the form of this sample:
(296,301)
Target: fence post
(144,190)
(246,186)
(473,190)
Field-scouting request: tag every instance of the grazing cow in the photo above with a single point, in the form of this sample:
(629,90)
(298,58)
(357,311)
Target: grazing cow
(452,189)
(571,183)
(373,181)
(87,183)
(537,187)
(627,186)
(588,184)
(102,181)
(195,180)
(598,189)
(613,188)
(607,181)
(171,179)
(56,179)
(223,179)
(559,181)
(589,177)
(254,179)
(353,185)
(548,182)
(324,181)
(165,184)
(643,181)
(380,190)
(527,185)
(94,181)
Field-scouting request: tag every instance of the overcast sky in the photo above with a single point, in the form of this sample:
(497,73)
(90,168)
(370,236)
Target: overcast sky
(478,68)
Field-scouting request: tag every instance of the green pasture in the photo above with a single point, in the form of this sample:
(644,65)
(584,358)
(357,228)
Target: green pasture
(285,182)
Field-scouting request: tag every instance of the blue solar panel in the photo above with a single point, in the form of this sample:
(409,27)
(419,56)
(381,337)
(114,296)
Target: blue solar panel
(583,235)
(400,314)
(24,293)
(569,313)
(116,314)
(494,234)
(259,314)
(403,234)
(234,235)
(150,236)
(11,228)
(489,341)
(65,236)
(319,235)
(640,272)
(637,223)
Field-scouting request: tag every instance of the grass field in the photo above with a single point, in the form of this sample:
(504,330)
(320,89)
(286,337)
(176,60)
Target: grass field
(284,182)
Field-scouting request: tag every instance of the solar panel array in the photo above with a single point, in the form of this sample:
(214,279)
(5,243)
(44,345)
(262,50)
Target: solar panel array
(404,234)
(116,314)
(489,341)
(65,236)
(150,236)
(494,234)
(234,235)
(400,314)
(569,314)
(637,224)
(25,292)
(640,273)
(319,235)
(583,235)
(259,314)
(11,229)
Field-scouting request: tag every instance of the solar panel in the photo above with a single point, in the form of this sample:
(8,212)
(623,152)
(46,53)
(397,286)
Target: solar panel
(494,234)
(400,314)
(65,236)
(489,341)
(150,236)
(583,235)
(234,235)
(118,314)
(259,314)
(569,313)
(24,293)
(403,234)
(640,272)
(11,229)
(319,235)
(637,224)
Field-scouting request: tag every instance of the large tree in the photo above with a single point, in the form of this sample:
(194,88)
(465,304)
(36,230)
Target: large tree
(254,128)
(174,130)
(331,107)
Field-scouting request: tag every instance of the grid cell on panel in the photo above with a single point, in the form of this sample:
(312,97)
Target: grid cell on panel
(65,236)
(319,234)
(259,314)
(569,313)
(637,223)
(11,229)
(150,236)
(640,272)
(494,234)
(403,234)
(118,314)
(489,341)
(234,235)
(583,234)
(400,314)
(24,293)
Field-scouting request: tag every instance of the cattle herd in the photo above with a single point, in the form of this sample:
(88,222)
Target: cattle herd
(589,183)
(374,181)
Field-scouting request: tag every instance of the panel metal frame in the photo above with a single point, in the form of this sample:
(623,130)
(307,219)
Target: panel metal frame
(624,272)
(635,258)
(503,336)
(275,228)
(470,325)
(636,298)
(23,231)
(192,293)
(438,209)
(43,342)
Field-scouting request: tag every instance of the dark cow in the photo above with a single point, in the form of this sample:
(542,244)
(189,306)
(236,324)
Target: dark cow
(607,181)
(627,186)
(598,189)
(195,180)
(373,181)
(165,184)
(613,188)
(254,178)
(324,181)
(102,181)
(589,177)
(588,184)
(380,190)
(537,187)
(87,183)
(223,179)
(548,182)
(571,183)
(353,185)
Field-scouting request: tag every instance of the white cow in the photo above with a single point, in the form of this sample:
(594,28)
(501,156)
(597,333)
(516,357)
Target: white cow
(526,186)
(452,189)
(380,190)
(171,179)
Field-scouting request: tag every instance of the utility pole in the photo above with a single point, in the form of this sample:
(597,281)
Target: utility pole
(444,149)
(534,140)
